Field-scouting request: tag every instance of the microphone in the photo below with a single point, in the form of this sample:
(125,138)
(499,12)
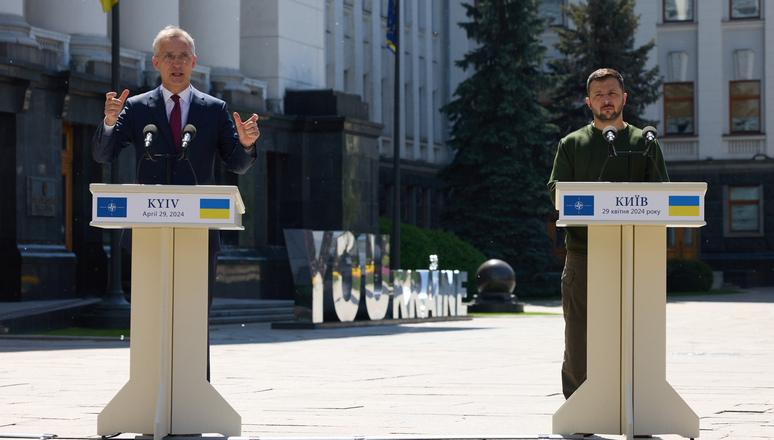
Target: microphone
(610,133)
(649,133)
(189,132)
(149,133)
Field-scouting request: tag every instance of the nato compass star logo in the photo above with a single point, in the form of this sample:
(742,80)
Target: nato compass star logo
(111,207)
(579,205)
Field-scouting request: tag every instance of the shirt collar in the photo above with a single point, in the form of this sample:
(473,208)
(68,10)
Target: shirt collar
(185,95)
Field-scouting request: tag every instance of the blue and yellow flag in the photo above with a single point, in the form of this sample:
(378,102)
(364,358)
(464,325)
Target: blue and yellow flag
(684,206)
(214,208)
(107,4)
(392,26)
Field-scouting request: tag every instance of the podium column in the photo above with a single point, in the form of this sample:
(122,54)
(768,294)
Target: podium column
(168,392)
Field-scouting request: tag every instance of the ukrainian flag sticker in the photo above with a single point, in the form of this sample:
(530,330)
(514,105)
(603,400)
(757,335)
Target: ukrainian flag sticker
(683,206)
(217,209)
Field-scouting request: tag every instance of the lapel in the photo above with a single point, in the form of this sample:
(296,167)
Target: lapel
(159,112)
(196,109)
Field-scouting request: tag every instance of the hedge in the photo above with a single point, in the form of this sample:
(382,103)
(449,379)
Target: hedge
(688,275)
(417,244)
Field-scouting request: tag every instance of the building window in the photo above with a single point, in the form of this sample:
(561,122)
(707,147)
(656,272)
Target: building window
(745,9)
(744,210)
(745,102)
(678,10)
(551,11)
(678,108)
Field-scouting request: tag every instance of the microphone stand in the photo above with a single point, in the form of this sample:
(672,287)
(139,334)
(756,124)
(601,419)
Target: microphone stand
(630,153)
(153,157)
(184,155)
(146,156)
(610,153)
(649,153)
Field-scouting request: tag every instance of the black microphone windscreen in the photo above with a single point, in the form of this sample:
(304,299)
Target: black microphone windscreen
(150,128)
(189,129)
(609,131)
(649,130)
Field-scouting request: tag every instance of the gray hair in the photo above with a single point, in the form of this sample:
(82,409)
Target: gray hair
(172,32)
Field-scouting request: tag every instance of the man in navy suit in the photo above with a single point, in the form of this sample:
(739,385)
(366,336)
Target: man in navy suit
(170,107)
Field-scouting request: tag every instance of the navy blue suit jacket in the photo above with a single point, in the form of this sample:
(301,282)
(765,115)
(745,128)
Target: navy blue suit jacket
(215,134)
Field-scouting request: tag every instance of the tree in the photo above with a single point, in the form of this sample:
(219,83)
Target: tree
(496,198)
(601,35)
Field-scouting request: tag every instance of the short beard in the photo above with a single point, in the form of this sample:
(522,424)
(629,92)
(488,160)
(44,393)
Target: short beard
(602,118)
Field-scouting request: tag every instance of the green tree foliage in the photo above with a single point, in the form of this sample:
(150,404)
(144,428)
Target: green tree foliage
(496,197)
(417,244)
(601,35)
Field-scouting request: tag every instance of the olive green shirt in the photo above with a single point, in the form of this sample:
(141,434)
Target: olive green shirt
(580,156)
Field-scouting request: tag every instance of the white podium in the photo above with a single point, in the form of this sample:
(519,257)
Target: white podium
(626,391)
(167,391)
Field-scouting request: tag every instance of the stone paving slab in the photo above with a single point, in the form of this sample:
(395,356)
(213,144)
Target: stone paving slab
(486,378)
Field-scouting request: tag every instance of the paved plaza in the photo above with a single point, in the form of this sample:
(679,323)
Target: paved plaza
(489,377)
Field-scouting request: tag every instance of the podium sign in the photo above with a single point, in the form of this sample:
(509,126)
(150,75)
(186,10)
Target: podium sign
(626,391)
(668,204)
(168,392)
(179,206)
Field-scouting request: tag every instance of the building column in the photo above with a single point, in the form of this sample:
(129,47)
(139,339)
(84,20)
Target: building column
(217,24)
(14,29)
(647,31)
(358,39)
(403,43)
(768,91)
(278,51)
(378,37)
(139,29)
(428,79)
(335,50)
(13,7)
(84,21)
(414,81)
(711,86)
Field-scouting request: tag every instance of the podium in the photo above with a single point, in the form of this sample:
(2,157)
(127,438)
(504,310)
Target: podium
(167,392)
(626,391)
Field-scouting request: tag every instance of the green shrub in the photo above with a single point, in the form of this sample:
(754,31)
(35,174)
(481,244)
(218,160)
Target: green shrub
(688,275)
(417,244)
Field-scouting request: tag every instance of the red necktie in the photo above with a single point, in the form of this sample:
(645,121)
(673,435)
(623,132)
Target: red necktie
(175,124)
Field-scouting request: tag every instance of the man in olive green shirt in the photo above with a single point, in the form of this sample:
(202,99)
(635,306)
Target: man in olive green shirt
(580,157)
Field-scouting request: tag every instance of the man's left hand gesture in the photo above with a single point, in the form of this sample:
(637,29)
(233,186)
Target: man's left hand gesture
(248,130)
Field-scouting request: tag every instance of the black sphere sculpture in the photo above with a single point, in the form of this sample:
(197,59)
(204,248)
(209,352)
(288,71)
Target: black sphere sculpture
(495,281)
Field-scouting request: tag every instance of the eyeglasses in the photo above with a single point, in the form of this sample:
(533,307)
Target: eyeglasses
(182,58)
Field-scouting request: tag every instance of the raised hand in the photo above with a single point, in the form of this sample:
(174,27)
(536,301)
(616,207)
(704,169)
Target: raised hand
(248,130)
(113,106)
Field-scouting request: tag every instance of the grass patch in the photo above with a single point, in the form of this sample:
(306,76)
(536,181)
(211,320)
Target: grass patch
(484,315)
(703,293)
(87,332)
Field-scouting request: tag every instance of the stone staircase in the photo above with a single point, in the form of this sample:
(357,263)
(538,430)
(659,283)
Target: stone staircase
(242,311)
(39,316)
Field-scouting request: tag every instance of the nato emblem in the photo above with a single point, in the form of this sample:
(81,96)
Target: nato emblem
(579,205)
